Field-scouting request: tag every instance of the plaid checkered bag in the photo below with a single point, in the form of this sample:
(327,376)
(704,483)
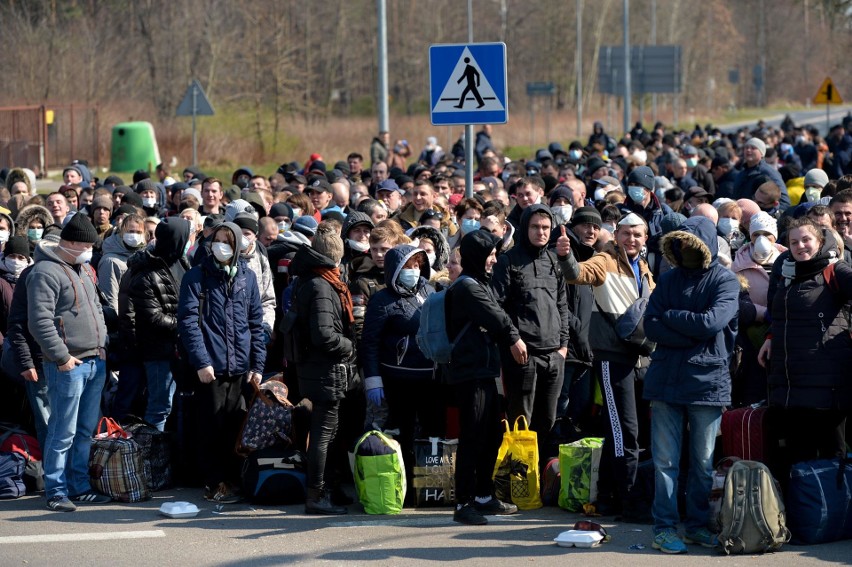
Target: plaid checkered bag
(269,420)
(117,468)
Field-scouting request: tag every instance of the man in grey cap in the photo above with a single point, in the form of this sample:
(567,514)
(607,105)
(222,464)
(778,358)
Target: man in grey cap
(756,171)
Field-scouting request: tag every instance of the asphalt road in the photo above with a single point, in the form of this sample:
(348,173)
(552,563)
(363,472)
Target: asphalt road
(242,534)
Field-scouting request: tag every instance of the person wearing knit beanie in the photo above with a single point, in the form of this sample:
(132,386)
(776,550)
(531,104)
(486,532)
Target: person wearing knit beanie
(79,229)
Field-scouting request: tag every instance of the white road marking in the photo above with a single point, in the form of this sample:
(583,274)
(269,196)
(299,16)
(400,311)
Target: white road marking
(93,536)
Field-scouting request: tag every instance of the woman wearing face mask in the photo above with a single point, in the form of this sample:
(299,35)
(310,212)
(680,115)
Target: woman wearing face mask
(431,241)
(220,322)
(356,240)
(468,214)
(16,258)
(754,260)
(117,249)
(730,215)
(33,222)
(7,228)
(393,363)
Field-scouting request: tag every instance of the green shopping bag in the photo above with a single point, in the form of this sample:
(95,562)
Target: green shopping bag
(379,474)
(578,464)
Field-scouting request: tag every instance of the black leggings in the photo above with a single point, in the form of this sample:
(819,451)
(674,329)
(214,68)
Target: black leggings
(221,412)
(323,430)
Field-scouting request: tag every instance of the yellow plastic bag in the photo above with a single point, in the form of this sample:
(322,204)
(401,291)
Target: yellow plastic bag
(516,474)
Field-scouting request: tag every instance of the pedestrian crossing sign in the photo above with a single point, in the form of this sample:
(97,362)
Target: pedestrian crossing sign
(827,93)
(468,84)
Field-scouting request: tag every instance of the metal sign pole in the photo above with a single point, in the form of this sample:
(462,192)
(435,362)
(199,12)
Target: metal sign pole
(194,138)
(468,129)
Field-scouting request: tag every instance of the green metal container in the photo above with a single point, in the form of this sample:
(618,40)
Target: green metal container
(134,146)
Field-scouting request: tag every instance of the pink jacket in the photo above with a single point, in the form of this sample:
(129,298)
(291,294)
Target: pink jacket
(756,275)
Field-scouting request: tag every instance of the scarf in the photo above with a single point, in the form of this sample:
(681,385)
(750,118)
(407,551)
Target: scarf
(332,276)
(793,271)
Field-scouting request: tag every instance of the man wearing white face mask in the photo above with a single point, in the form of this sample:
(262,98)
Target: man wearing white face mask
(356,240)
(561,205)
(66,321)
(754,261)
(815,181)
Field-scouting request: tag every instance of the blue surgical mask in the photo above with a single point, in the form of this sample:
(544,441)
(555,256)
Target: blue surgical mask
(408,277)
(636,193)
(469,225)
(34,234)
(576,154)
(691,162)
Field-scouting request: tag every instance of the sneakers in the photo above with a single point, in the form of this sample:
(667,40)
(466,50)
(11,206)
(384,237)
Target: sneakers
(701,536)
(60,504)
(92,498)
(468,515)
(495,507)
(668,541)
(222,495)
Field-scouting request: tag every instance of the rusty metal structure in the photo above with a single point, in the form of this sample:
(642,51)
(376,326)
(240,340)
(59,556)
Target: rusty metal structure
(47,136)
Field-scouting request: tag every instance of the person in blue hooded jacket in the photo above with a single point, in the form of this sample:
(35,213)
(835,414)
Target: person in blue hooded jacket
(220,321)
(692,316)
(393,364)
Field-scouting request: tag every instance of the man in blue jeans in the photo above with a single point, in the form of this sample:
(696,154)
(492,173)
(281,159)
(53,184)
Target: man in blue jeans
(65,319)
(692,316)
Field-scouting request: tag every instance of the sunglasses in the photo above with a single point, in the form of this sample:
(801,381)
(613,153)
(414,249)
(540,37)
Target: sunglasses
(430,214)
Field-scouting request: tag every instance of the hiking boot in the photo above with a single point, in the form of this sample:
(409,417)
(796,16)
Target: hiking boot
(319,502)
(91,497)
(468,515)
(60,504)
(702,537)
(668,541)
(495,507)
(222,495)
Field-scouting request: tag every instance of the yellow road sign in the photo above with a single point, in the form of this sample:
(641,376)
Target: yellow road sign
(827,93)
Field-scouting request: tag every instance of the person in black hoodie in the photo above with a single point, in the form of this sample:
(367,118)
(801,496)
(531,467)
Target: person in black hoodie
(147,310)
(480,331)
(324,317)
(528,284)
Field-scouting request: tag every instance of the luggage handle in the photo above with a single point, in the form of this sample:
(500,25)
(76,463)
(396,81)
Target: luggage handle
(113,430)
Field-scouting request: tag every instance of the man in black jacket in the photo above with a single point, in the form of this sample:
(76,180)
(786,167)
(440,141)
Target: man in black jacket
(478,329)
(583,230)
(528,284)
(147,308)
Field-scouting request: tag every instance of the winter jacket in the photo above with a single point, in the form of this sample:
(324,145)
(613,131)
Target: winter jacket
(20,350)
(388,348)
(322,331)
(750,178)
(615,289)
(692,316)
(29,213)
(483,144)
(148,299)
(476,355)
(378,151)
(7,291)
(220,317)
(811,346)
(528,284)
(258,263)
(365,280)
(64,313)
(112,266)
(581,303)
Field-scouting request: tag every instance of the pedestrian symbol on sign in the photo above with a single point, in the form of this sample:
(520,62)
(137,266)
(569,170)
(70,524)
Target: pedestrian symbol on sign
(465,86)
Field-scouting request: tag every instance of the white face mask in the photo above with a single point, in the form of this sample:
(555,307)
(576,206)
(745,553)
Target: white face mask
(562,214)
(79,257)
(283,226)
(15,266)
(358,246)
(431,257)
(728,226)
(4,236)
(149,202)
(132,239)
(222,251)
(600,194)
(761,249)
(608,227)
(296,213)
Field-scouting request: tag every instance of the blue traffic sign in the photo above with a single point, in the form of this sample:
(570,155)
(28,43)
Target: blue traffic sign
(467,84)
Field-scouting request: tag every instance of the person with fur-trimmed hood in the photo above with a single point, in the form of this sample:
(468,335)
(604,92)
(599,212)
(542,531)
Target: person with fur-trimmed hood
(692,316)
(35,222)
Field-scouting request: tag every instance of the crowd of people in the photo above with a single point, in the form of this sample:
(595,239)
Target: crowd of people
(738,244)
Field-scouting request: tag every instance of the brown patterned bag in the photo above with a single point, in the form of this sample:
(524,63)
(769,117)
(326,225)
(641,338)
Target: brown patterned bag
(116,466)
